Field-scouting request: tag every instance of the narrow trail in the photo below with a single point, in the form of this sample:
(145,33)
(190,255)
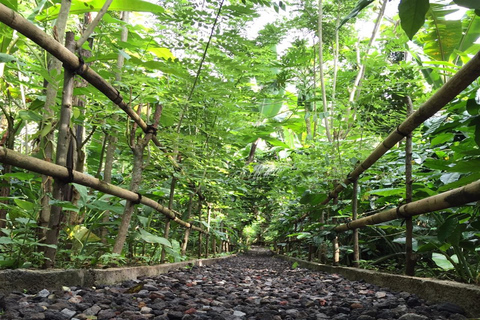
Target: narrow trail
(253,286)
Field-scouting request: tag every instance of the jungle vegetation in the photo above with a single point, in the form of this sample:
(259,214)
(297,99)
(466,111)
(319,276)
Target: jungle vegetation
(257,109)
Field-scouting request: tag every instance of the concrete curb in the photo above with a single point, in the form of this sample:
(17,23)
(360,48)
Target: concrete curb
(465,295)
(36,280)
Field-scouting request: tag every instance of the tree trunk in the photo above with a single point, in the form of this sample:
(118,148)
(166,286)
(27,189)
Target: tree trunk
(61,189)
(167,223)
(251,155)
(336,245)
(138,149)
(356,246)
(320,70)
(112,136)
(8,141)
(200,234)
(188,230)
(409,256)
(46,145)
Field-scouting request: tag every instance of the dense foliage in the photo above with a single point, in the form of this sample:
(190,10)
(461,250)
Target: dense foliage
(257,126)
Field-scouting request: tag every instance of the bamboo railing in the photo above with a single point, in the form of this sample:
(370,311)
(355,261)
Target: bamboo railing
(453,198)
(59,172)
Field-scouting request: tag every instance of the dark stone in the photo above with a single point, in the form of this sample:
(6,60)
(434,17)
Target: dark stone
(450,307)
(54,315)
(174,315)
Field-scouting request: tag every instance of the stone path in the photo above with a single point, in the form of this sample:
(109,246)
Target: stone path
(252,286)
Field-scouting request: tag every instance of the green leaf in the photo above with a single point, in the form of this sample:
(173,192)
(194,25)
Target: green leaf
(46,129)
(471,4)
(361,4)
(67,205)
(465,166)
(442,261)
(442,138)
(24,176)
(443,35)
(30,115)
(12,4)
(387,192)
(25,205)
(472,107)
(83,234)
(151,238)
(6,240)
(450,177)
(477,134)
(4,58)
(80,7)
(312,198)
(461,182)
(162,53)
(412,15)
(447,228)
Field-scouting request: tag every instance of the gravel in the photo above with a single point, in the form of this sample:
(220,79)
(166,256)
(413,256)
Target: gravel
(243,287)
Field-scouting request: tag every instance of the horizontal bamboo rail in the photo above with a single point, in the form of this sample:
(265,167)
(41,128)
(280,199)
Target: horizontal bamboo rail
(459,82)
(453,198)
(19,160)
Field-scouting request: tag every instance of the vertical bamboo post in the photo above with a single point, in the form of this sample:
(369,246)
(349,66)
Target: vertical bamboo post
(356,247)
(199,245)
(336,245)
(200,199)
(187,231)
(409,256)
(166,231)
(61,188)
(209,216)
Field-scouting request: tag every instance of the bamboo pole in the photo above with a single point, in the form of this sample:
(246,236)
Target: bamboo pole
(61,188)
(453,198)
(356,246)
(19,160)
(409,257)
(335,243)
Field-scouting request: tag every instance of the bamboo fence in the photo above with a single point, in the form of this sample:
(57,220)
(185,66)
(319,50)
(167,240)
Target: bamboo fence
(58,172)
(453,198)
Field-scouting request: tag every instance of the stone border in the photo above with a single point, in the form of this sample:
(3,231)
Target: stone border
(465,295)
(54,279)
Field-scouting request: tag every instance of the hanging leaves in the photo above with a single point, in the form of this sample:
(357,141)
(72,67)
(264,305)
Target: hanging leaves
(443,35)
(412,15)
(79,7)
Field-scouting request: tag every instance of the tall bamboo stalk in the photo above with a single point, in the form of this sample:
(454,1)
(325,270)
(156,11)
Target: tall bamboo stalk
(320,69)
(46,145)
(410,259)
(356,246)
(112,136)
(61,189)
(166,231)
